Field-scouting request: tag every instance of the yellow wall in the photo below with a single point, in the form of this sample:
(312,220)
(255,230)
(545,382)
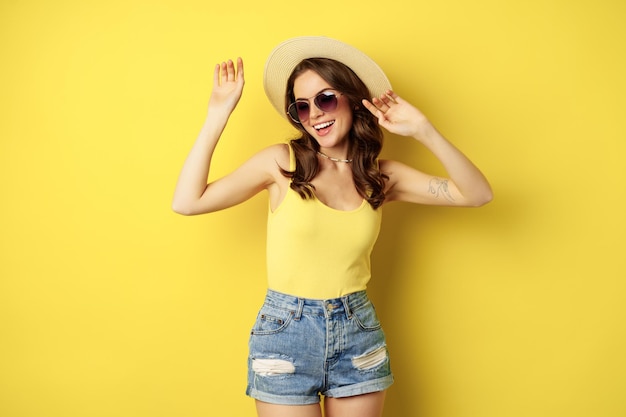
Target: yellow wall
(112,305)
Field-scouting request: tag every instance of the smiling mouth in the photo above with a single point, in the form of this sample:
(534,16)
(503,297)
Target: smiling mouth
(323,125)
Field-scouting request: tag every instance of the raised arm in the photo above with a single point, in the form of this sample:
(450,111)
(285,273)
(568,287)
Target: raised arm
(466,185)
(193,195)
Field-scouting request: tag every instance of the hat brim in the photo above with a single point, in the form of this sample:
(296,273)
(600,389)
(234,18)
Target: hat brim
(284,58)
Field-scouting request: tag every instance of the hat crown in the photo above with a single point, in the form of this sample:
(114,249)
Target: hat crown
(287,55)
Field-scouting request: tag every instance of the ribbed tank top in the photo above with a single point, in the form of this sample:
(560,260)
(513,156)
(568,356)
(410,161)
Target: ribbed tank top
(314,251)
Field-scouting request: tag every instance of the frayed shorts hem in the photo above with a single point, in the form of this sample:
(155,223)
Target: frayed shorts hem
(282,399)
(361,388)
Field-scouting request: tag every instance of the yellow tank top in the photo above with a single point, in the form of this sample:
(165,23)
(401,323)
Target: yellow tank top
(314,251)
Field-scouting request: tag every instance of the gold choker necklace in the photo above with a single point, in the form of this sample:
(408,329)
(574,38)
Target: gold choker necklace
(334,159)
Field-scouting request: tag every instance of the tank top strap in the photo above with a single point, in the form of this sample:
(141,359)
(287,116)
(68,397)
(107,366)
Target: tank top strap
(292,158)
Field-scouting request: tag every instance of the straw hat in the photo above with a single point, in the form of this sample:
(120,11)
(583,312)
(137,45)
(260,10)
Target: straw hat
(291,52)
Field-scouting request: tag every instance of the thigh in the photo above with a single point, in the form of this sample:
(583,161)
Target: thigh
(264,409)
(366,405)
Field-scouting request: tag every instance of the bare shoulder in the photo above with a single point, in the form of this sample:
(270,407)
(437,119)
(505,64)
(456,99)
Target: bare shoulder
(394,169)
(277,159)
(273,157)
(388,164)
(389,168)
(280,152)
(404,183)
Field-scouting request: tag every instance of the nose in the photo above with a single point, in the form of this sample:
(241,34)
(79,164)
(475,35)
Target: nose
(314,111)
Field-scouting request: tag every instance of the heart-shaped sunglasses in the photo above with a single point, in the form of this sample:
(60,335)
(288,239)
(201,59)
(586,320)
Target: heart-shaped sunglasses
(300,109)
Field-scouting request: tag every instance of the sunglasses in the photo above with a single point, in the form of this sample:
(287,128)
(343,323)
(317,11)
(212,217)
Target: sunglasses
(299,110)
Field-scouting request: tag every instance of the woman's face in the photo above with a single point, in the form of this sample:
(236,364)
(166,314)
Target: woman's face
(329,129)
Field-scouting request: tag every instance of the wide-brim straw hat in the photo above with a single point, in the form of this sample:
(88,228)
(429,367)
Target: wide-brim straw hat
(284,58)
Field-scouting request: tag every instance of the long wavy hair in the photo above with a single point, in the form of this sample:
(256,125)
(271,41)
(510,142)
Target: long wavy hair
(365,137)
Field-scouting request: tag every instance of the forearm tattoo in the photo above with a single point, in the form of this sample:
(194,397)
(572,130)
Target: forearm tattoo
(439,187)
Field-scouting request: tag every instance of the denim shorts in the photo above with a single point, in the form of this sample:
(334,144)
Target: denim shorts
(302,348)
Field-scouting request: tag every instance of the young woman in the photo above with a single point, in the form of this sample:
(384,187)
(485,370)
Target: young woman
(317,333)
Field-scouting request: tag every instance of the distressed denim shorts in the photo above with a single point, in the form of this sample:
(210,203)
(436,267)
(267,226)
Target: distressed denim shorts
(302,348)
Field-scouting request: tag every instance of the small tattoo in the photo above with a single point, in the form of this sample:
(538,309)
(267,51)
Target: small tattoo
(439,187)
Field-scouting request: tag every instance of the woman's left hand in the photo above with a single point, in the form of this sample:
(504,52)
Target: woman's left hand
(397,115)
(466,186)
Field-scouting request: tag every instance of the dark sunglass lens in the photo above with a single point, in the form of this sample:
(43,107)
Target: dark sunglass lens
(326,101)
(293,112)
(302,109)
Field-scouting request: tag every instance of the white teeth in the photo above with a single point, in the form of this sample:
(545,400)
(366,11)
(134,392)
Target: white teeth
(323,125)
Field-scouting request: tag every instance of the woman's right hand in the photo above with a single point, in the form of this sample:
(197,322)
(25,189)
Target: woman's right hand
(191,196)
(227,87)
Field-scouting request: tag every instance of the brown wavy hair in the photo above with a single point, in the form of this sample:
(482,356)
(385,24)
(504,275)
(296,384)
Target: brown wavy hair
(365,135)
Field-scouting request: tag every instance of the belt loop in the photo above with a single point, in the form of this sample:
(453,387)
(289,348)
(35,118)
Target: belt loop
(346,306)
(299,310)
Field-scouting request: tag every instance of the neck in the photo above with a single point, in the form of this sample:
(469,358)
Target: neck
(322,154)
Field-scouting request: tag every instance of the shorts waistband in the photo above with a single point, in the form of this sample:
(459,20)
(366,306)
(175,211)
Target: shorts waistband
(329,307)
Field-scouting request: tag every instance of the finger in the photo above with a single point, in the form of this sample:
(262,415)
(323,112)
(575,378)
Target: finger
(387,99)
(371,107)
(240,70)
(380,104)
(224,73)
(375,111)
(230,70)
(391,94)
(216,75)
(395,97)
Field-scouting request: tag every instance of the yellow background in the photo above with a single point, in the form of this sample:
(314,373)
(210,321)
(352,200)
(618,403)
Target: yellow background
(112,305)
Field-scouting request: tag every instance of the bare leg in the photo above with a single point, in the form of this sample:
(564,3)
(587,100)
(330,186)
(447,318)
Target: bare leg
(275,410)
(366,405)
